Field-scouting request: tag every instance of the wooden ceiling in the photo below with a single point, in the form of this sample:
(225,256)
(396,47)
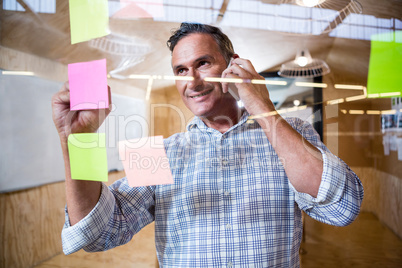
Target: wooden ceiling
(48,36)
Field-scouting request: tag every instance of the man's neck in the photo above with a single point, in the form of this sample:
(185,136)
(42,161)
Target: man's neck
(224,122)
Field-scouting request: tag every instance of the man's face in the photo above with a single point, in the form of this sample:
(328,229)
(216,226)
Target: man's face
(199,56)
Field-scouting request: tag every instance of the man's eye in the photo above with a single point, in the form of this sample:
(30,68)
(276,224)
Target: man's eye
(203,63)
(180,71)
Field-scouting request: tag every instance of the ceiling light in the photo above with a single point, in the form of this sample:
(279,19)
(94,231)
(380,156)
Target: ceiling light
(131,51)
(355,98)
(296,102)
(303,58)
(139,76)
(384,95)
(223,80)
(302,61)
(325,15)
(356,112)
(337,101)
(352,87)
(309,3)
(390,94)
(149,88)
(308,84)
(388,112)
(17,73)
(376,95)
(304,66)
(181,78)
(268,82)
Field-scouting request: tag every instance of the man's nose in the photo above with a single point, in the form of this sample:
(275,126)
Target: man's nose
(196,79)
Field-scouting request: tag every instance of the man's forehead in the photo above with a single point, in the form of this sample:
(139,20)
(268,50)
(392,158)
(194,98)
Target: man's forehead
(194,46)
(195,41)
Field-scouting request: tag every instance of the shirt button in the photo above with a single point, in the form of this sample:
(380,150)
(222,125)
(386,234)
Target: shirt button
(228,226)
(230,264)
(225,162)
(227,193)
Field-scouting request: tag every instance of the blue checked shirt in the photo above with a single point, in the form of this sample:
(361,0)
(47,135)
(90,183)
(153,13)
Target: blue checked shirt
(231,204)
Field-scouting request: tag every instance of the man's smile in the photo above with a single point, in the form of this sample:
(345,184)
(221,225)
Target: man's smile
(202,94)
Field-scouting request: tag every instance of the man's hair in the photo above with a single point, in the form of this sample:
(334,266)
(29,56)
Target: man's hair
(187,28)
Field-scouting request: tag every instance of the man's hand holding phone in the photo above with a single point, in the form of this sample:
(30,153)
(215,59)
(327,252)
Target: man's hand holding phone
(255,97)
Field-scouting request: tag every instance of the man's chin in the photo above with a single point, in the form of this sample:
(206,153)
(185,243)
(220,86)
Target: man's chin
(200,114)
(199,110)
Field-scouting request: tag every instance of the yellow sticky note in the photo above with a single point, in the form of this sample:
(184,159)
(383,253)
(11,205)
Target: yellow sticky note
(89,19)
(88,158)
(385,68)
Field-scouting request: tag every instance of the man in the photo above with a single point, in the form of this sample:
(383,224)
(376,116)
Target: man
(239,187)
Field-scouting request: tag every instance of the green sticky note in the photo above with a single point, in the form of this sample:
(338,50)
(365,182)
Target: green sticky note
(385,68)
(89,19)
(88,159)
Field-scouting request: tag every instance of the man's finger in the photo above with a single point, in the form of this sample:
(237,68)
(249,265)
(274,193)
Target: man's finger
(240,71)
(63,96)
(246,64)
(225,86)
(65,87)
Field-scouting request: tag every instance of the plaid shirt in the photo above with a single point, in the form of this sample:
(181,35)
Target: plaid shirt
(231,204)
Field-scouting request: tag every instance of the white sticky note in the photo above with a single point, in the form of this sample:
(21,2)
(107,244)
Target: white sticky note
(385,142)
(393,145)
(399,141)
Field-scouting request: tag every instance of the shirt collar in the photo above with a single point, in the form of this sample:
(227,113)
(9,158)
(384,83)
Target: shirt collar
(198,123)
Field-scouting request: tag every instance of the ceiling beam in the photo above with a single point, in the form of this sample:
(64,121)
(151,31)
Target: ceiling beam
(352,6)
(222,11)
(32,13)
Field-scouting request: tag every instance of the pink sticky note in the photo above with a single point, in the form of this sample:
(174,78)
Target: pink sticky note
(88,85)
(145,161)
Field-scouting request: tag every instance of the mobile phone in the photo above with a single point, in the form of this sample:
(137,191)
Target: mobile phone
(232,88)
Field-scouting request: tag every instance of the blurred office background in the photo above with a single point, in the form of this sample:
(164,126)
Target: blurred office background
(332,63)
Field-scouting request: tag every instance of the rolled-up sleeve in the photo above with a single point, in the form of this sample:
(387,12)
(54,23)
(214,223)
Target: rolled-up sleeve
(121,212)
(89,228)
(340,193)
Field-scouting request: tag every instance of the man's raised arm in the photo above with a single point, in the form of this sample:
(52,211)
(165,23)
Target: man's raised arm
(303,162)
(81,195)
